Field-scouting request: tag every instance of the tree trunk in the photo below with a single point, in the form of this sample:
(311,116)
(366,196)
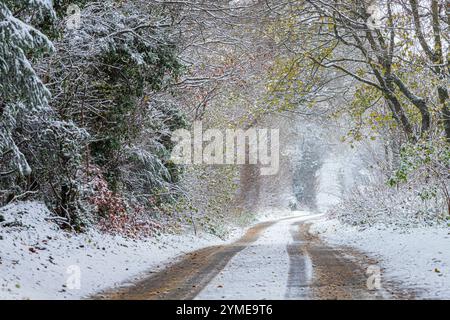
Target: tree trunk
(445,101)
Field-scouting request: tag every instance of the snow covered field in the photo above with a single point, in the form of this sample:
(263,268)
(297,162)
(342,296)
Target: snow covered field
(417,258)
(39,261)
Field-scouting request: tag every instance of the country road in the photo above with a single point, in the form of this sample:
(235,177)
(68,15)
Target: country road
(273,260)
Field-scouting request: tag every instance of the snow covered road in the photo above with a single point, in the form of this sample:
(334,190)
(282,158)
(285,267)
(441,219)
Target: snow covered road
(274,260)
(261,270)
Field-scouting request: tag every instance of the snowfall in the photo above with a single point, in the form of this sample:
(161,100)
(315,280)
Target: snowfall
(40,261)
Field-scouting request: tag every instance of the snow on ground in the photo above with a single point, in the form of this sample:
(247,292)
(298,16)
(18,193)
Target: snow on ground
(416,258)
(39,261)
(260,271)
(271,214)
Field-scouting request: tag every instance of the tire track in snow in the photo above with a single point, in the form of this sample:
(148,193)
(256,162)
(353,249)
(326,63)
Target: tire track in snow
(184,279)
(274,260)
(260,271)
(300,267)
(336,275)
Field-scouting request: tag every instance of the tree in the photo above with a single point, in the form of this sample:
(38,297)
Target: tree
(21,90)
(382,57)
(439,62)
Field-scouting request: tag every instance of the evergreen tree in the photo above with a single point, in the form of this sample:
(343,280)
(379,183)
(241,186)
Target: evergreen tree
(21,90)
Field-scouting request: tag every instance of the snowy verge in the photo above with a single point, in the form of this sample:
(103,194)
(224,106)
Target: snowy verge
(417,258)
(40,261)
